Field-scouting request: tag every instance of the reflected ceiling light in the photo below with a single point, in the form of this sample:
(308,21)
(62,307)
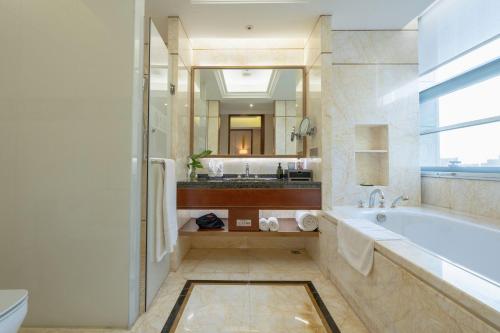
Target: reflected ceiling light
(247,80)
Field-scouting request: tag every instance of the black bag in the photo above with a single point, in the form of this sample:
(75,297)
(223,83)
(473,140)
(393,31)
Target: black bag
(209,221)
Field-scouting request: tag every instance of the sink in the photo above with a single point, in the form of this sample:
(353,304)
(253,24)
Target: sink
(249,179)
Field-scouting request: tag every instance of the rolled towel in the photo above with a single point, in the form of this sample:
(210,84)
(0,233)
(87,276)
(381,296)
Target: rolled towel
(263,224)
(273,224)
(307,220)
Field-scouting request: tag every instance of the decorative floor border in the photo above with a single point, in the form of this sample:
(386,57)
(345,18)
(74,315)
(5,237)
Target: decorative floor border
(178,309)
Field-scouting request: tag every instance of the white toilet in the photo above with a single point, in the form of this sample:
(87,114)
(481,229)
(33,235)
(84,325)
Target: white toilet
(13,309)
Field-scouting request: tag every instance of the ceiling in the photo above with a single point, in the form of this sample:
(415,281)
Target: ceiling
(286,20)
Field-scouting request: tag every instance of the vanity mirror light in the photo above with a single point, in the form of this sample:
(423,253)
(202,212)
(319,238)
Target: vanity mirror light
(248,111)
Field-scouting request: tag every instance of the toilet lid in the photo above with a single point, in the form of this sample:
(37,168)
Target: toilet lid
(9,299)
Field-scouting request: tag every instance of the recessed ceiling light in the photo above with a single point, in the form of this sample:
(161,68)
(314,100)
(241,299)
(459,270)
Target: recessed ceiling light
(255,80)
(251,105)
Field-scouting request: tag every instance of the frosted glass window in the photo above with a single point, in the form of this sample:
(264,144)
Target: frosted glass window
(450,28)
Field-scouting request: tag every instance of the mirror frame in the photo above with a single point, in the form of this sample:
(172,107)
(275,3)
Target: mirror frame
(191,107)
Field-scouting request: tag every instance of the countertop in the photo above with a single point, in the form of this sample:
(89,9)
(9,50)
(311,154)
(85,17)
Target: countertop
(247,183)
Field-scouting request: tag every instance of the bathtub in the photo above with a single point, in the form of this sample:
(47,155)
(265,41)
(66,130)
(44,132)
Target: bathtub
(456,255)
(472,246)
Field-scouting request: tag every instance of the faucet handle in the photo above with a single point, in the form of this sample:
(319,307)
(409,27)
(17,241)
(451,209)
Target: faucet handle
(381,203)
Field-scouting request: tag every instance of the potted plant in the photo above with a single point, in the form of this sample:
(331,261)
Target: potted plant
(194,162)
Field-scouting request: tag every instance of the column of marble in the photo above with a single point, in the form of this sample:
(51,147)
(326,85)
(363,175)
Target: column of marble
(374,81)
(318,55)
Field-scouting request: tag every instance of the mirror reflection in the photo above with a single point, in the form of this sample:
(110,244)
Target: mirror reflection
(247,111)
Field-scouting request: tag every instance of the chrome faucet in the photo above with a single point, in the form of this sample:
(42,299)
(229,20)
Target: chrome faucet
(398,199)
(371,201)
(247,170)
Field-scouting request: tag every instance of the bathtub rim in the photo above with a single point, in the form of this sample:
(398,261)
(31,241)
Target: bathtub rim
(423,263)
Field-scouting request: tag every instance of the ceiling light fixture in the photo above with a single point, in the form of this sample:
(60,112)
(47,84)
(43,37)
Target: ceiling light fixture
(251,105)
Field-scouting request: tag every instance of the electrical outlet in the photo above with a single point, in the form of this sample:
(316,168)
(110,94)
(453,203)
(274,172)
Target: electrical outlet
(243,223)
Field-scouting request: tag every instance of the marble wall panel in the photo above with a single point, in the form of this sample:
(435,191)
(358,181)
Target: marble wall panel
(248,57)
(375,94)
(476,197)
(376,47)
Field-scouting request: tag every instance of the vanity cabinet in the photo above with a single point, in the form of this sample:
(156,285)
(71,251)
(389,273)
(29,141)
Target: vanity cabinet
(243,204)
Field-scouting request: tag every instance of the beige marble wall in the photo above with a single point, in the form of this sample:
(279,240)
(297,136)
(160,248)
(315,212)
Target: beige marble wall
(391,299)
(250,242)
(374,81)
(249,57)
(180,61)
(317,54)
(477,197)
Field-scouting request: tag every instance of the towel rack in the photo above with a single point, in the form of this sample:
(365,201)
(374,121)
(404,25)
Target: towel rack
(158,161)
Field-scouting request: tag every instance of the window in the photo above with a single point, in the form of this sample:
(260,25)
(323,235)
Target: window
(460,114)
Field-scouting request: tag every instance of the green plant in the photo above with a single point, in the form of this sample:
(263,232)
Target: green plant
(194,160)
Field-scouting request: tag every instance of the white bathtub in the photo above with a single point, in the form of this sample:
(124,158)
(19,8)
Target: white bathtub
(469,245)
(455,254)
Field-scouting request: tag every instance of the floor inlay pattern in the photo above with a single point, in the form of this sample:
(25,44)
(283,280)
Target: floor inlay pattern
(237,265)
(213,306)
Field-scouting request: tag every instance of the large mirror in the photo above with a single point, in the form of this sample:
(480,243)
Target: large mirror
(242,112)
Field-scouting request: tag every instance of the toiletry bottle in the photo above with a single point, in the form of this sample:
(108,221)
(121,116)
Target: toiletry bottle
(279,171)
(300,164)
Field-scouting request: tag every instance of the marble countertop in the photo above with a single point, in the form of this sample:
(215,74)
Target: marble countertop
(247,183)
(240,181)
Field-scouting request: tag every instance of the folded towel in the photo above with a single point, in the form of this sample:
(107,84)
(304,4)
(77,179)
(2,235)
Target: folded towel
(273,224)
(263,224)
(307,220)
(356,242)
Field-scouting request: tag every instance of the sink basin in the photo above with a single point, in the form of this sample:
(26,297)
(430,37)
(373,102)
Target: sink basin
(249,179)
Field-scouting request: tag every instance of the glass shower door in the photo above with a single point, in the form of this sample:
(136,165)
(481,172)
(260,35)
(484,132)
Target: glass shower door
(158,147)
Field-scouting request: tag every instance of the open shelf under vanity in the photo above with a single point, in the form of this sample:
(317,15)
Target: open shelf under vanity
(288,228)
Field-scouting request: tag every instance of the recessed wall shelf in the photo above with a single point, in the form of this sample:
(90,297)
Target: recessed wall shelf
(288,228)
(372,154)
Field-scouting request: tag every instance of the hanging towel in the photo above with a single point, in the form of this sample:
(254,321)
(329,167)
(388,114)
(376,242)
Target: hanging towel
(170,204)
(307,220)
(263,224)
(159,212)
(273,224)
(165,208)
(356,242)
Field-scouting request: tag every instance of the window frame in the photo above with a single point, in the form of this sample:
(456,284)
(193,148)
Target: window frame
(473,76)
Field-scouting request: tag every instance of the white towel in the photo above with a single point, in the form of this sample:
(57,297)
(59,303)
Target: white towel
(273,224)
(263,224)
(159,213)
(307,220)
(171,204)
(165,209)
(356,242)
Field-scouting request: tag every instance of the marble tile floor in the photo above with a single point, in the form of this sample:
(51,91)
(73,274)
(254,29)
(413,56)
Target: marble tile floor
(248,307)
(241,265)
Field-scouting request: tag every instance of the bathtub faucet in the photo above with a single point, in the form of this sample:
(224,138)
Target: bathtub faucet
(398,199)
(371,201)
